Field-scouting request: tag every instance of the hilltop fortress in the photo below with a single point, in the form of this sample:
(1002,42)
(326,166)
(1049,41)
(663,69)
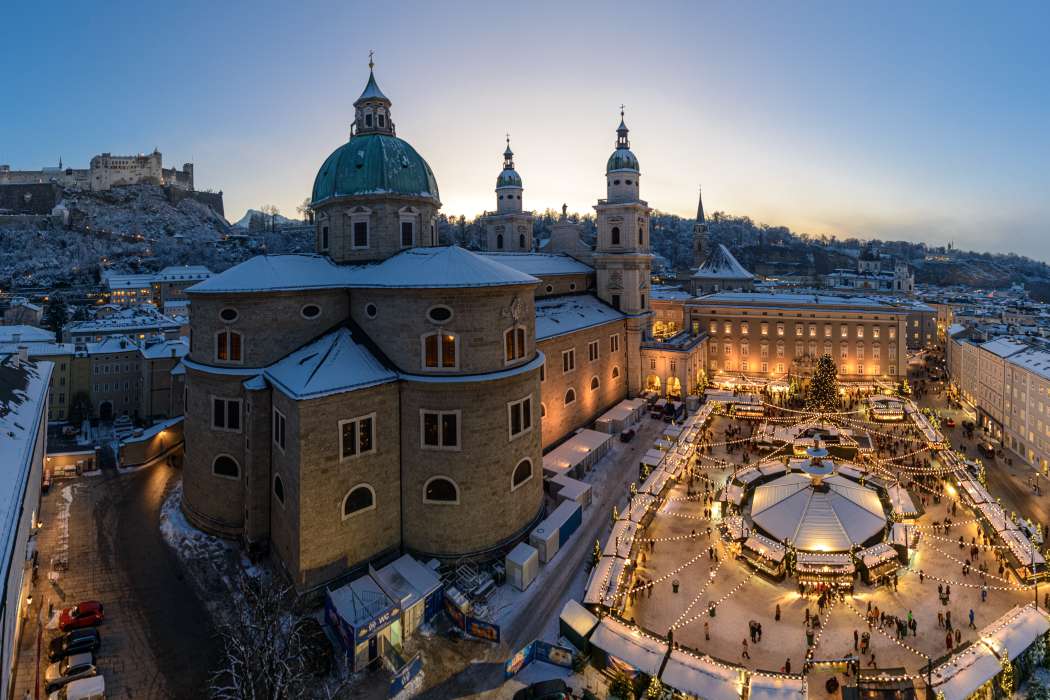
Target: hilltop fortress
(106,171)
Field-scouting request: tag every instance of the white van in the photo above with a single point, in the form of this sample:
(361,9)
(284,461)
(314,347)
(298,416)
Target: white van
(93,688)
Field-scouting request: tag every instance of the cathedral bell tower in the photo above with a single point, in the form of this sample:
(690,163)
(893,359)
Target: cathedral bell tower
(701,243)
(509,228)
(622,260)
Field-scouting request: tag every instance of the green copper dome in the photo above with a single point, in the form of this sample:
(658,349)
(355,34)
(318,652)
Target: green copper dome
(374,164)
(622,159)
(508,178)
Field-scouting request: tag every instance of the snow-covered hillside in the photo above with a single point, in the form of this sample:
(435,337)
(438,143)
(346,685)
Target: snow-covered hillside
(262,220)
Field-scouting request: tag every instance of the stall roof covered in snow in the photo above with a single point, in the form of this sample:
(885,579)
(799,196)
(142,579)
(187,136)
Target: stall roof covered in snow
(965,672)
(768,687)
(640,651)
(439,267)
(560,315)
(702,677)
(1016,630)
(23,405)
(541,264)
(720,264)
(330,365)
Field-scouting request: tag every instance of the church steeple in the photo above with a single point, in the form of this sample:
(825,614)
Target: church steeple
(372,108)
(621,132)
(508,156)
(508,185)
(700,237)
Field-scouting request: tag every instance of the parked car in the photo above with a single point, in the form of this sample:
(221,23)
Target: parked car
(69,669)
(545,690)
(87,613)
(91,688)
(76,642)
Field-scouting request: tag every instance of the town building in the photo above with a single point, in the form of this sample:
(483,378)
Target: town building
(23,425)
(138,322)
(20,311)
(874,273)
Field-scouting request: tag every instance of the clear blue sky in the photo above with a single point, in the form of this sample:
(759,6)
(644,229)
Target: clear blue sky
(897,120)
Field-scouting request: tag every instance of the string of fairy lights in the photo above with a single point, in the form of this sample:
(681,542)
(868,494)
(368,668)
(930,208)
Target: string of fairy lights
(699,459)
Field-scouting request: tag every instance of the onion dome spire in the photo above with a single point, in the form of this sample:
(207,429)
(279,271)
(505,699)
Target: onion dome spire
(372,108)
(621,132)
(508,156)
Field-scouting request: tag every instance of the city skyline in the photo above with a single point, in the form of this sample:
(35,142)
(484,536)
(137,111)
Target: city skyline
(848,121)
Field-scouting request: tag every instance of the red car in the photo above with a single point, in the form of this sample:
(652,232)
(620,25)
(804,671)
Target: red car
(85,614)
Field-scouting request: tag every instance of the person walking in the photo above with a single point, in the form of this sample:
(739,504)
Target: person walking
(856,640)
(744,654)
(984,593)
(707,632)
(787,665)
(972,626)
(947,641)
(776,615)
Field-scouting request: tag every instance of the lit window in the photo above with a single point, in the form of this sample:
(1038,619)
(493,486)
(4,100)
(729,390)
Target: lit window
(357,436)
(439,350)
(228,346)
(514,341)
(615,372)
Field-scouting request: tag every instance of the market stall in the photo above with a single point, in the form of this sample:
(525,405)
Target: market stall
(878,562)
(833,569)
(621,539)
(701,677)
(606,582)
(619,647)
(768,686)
(577,454)
(765,555)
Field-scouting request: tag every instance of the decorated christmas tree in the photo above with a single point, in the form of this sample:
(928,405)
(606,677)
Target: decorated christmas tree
(822,394)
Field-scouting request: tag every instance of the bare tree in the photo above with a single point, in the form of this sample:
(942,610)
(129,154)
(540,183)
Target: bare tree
(266,649)
(306,212)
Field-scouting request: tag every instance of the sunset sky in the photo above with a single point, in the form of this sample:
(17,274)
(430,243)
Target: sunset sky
(894,120)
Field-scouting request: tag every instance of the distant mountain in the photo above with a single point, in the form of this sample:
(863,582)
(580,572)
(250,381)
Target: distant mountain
(261,220)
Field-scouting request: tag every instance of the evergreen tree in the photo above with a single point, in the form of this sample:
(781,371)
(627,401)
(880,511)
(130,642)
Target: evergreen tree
(55,315)
(822,394)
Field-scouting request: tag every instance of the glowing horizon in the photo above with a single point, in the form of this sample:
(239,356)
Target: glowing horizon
(897,122)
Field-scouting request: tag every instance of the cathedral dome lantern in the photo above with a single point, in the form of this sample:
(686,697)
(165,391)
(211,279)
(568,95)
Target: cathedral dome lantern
(622,171)
(508,185)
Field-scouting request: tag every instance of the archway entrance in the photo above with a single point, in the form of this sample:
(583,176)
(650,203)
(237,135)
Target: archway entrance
(674,388)
(652,383)
(105,410)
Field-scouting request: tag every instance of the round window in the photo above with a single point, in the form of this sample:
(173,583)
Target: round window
(371,311)
(549,289)
(572,286)
(310,311)
(439,314)
(228,315)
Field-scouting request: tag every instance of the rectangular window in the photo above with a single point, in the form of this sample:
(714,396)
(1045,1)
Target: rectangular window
(439,351)
(226,414)
(780,329)
(568,360)
(812,331)
(614,343)
(520,416)
(744,328)
(827,331)
(360,234)
(279,425)
(712,327)
(407,234)
(652,363)
(357,436)
(765,328)
(765,367)
(799,330)
(592,351)
(440,429)
(875,332)
(674,366)
(543,372)
(727,327)
(324,238)
(515,344)
(780,368)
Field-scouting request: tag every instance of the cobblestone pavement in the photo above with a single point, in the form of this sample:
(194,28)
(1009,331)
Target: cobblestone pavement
(157,639)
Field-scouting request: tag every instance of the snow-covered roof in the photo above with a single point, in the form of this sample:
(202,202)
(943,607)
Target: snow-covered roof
(1034,360)
(360,601)
(640,651)
(330,365)
(407,580)
(270,273)
(567,314)
(167,348)
(720,264)
(181,273)
(795,300)
(116,280)
(668,293)
(23,406)
(769,687)
(439,267)
(1004,347)
(1015,631)
(541,264)
(142,318)
(25,334)
(965,672)
(700,676)
(112,343)
(427,268)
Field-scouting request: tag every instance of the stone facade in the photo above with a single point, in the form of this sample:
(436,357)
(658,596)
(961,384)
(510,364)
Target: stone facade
(106,171)
(383,218)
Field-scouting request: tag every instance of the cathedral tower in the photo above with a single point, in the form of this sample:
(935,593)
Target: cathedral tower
(701,243)
(508,228)
(622,260)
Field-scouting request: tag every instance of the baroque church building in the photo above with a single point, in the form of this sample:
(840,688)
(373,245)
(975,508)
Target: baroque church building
(388,394)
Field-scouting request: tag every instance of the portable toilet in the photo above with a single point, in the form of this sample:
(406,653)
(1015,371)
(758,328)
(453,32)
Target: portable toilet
(523,564)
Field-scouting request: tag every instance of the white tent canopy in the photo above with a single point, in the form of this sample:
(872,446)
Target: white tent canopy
(702,677)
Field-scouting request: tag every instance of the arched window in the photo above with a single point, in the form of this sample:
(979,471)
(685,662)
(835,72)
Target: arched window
(641,236)
(278,489)
(226,466)
(543,411)
(615,372)
(595,383)
(499,241)
(522,473)
(439,350)
(615,235)
(514,344)
(570,396)
(359,499)
(521,240)
(440,489)
(228,346)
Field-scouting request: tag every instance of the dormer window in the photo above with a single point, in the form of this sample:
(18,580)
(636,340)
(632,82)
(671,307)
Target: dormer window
(368,120)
